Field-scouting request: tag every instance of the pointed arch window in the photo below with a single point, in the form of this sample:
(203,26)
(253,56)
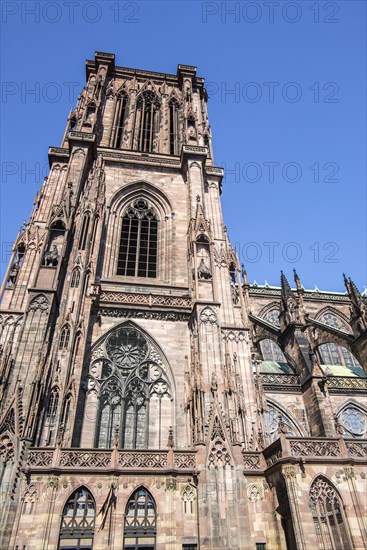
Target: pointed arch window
(121,112)
(110,413)
(270,351)
(64,338)
(328,516)
(147,121)
(75,278)
(138,242)
(78,522)
(53,404)
(277,421)
(135,433)
(207,144)
(140,521)
(173,127)
(66,420)
(135,395)
(334,354)
(84,232)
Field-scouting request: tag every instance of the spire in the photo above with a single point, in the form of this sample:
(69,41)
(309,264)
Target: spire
(358,308)
(353,292)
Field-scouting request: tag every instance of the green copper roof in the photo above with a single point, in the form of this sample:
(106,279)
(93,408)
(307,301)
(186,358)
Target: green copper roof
(275,368)
(342,370)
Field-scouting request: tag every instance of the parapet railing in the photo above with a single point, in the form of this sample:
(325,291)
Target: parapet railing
(284,450)
(110,459)
(315,449)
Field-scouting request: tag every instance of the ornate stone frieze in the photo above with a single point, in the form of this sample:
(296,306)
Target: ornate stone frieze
(82,135)
(149,159)
(145,299)
(156,315)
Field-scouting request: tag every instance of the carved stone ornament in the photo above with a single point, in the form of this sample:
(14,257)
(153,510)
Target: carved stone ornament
(254,492)
(40,302)
(208,316)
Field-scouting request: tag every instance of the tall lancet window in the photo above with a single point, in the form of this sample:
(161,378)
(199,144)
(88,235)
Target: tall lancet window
(140,521)
(173,127)
(78,522)
(147,121)
(138,242)
(120,119)
(328,516)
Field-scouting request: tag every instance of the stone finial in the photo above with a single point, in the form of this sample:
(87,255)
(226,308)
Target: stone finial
(297,280)
(170,442)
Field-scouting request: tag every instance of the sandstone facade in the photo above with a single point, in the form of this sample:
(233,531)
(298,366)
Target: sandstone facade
(150,397)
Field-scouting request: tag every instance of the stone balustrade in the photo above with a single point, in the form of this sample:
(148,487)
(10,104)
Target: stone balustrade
(98,459)
(284,449)
(313,449)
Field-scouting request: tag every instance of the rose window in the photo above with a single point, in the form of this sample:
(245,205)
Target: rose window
(127,348)
(354,422)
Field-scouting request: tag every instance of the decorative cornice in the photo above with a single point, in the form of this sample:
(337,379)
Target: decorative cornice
(140,158)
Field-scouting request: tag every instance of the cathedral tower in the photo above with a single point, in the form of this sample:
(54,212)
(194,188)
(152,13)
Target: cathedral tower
(150,397)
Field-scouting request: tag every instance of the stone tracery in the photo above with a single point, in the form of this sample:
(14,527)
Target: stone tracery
(130,376)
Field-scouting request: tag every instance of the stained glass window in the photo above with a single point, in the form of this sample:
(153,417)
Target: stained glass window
(173,127)
(275,421)
(331,353)
(138,243)
(132,380)
(140,521)
(75,278)
(353,421)
(64,338)
(270,351)
(328,516)
(147,121)
(78,522)
(121,111)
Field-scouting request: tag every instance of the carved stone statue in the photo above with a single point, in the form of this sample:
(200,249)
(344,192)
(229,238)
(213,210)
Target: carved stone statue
(52,256)
(204,271)
(13,274)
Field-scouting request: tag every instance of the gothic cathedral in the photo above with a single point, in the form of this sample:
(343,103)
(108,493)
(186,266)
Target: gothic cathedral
(151,398)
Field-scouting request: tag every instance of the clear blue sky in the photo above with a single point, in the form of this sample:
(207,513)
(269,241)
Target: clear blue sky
(292,134)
